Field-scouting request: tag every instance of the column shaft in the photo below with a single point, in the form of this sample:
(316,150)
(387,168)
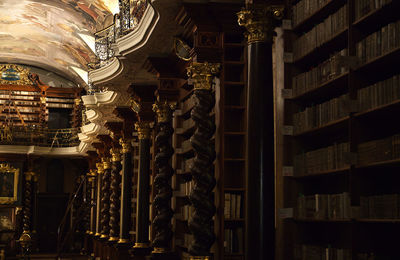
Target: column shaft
(142,220)
(126,196)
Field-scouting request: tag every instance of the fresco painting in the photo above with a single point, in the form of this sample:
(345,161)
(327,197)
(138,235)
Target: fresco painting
(35,32)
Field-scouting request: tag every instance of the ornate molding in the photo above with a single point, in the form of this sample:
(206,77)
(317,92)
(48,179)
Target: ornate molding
(116,155)
(144,129)
(260,21)
(203,74)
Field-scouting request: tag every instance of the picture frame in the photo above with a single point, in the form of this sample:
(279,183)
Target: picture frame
(9,177)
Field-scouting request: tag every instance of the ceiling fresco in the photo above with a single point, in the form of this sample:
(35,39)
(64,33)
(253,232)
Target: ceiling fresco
(45,33)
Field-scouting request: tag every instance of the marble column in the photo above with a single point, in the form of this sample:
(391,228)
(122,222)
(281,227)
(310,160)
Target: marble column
(260,21)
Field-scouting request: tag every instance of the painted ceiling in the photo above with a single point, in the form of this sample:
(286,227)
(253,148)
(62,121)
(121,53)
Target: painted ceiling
(45,33)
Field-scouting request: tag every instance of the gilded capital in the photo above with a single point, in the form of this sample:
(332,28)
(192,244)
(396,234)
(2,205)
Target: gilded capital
(77,101)
(164,110)
(116,156)
(202,74)
(259,21)
(126,145)
(30,175)
(100,168)
(144,129)
(106,163)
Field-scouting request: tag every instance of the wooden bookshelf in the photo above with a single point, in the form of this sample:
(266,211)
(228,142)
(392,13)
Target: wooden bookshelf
(362,175)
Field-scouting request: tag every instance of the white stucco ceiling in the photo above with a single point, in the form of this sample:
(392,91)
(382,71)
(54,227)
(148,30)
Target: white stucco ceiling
(45,33)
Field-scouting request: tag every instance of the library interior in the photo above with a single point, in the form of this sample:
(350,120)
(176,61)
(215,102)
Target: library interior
(199,129)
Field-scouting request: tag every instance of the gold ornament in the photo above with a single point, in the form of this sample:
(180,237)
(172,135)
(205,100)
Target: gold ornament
(106,163)
(126,145)
(144,130)
(164,110)
(116,156)
(203,74)
(100,168)
(259,21)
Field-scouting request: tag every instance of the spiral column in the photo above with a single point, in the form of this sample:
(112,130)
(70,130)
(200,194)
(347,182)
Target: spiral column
(105,199)
(115,195)
(92,198)
(201,196)
(26,237)
(162,180)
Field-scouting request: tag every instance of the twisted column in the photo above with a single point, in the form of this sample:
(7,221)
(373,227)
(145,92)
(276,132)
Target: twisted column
(162,180)
(126,190)
(100,171)
(201,196)
(26,237)
(143,187)
(105,199)
(115,195)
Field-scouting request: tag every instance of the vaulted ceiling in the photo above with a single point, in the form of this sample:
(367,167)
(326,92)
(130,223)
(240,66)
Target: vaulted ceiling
(45,33)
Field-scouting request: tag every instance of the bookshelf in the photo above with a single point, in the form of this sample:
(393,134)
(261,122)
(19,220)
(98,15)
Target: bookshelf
(231,146)
(340,144)
(181,161)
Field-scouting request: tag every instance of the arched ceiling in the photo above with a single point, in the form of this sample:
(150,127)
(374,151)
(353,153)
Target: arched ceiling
(45,33)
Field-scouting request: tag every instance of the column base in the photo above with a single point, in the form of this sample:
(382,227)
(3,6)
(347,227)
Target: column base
(140,251)
(200,258)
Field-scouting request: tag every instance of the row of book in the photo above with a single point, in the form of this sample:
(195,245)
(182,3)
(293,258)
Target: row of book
(325,71)
(60,100)
(379,42)
(379,94)
(57,105)
(185,188)
(233,242)
(385,206)
(233,205)
(320,34)
(305,8)
(363,7)
(186,212)
(321,114)
(335,156)
(16,92)
(324,206)
(379,150)
(7,96)
(316,252)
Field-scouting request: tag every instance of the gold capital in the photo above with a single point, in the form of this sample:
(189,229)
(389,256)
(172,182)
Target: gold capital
(106,163)
(116,156)
(203,74)
(126,145)
(77,101)
(30,175)
(113,239)
(100,168)
(143,129)
(164,110)
(260,21)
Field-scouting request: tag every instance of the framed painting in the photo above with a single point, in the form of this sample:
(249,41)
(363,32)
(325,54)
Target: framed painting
(8,184)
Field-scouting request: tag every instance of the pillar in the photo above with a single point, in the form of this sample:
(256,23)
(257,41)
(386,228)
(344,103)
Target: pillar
(126,191)
(202,170)
(115,195)
(100,171)
(259,21)
(162,179)
(143,190)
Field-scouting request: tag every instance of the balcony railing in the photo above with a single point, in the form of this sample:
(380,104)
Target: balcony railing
(129,16)
(39,136)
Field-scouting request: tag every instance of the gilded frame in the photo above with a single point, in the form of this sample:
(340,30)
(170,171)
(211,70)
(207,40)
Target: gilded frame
(5,171)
